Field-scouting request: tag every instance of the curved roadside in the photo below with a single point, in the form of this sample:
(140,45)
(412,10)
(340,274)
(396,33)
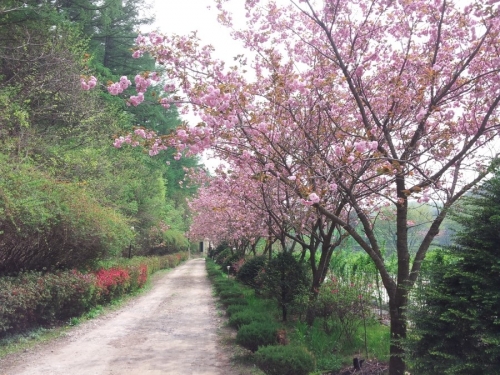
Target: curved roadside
(171,329)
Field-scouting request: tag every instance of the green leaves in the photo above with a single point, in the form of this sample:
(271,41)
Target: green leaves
(456,317)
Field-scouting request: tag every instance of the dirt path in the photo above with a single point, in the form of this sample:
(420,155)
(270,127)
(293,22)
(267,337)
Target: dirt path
(171,329)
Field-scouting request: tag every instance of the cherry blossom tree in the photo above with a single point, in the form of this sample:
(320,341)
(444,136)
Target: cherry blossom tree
(221,212)
(353,106)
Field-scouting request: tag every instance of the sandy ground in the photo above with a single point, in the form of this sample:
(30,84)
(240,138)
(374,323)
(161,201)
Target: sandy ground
(171,329)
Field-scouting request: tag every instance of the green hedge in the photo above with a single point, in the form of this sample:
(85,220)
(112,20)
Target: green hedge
(256,334)
(244,317)
(285,360)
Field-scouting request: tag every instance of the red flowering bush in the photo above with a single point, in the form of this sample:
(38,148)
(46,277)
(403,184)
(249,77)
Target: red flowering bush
(138,276)
(112,282)
(33,298)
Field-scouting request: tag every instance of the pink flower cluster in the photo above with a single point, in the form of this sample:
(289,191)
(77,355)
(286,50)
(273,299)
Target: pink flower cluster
(120,86)
(313,198)
(135,100)
(88,84)
(142,83)
(149,135)
(127,139)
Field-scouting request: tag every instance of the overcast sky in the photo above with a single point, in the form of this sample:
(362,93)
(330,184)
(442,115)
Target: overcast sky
(184,16)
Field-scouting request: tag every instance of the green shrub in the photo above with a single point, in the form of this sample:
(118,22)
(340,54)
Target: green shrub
(213,272)
(343,305)
(48,225)
(231,293)
(233,309)
(234,301)
(245,317)
(221,256)
(285,360)
(222,284)
(249,271)
(226,259)
(32,298)
(284,280)
(256,334)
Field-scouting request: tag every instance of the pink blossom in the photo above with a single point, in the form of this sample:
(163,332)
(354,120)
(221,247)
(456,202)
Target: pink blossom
(169,87)
(140,39)
(181,133)
(141,83)
(88,85)
(119,142)
(360,146)
(137,53)
(141,133)
(136,100)
(124,82)
(313,197)
(165,102)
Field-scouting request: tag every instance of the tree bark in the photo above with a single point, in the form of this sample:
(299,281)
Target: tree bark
(397,306)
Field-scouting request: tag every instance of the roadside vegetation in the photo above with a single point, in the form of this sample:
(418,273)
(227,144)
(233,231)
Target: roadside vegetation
(347,325)
(452,309)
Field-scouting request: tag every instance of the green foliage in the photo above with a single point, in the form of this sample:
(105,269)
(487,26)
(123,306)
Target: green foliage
(223,256)
(230,293)
(85,195)
(285,360)
(256,334)
(48,224)
(248,272)
(284,279)
(233,309)
(247,316)
(234,301)
(456,322)
(330,352)
(343,305)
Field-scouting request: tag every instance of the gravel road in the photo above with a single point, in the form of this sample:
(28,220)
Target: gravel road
(171,329)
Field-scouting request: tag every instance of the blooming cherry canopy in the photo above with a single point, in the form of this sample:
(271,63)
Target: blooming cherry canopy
(371,89)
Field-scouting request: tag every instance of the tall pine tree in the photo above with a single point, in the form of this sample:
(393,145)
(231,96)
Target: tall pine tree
(457,326)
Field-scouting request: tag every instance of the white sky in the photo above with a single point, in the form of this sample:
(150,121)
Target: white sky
(184,16)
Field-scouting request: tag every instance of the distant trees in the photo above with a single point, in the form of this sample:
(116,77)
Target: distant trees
(457,323)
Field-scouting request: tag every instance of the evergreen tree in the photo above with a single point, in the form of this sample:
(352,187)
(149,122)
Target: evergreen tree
(457,326)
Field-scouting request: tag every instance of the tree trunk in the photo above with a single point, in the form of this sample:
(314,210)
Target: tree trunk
(397,306)
(311,309)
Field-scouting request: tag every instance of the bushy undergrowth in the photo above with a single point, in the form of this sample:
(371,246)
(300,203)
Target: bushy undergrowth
(246,316)
(257,334)
(339,330)
(285,360)
(248,272)
(233,309)
(46,223)
(34,298)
